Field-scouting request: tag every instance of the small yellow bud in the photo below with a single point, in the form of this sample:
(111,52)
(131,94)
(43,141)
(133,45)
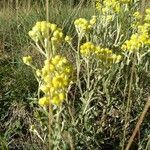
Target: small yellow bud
(68,39)
(27,60)
(53,27)
(57,82)
(56,60)
(137,15)
(61,96)
(51,67)
(52,89)
(57,34)
(31,33)
(56,100)
(98,5)
(54,39)
(47,79)
(44,101)
(119,57)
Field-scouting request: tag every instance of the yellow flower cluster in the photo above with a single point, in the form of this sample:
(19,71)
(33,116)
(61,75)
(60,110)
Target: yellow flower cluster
(82,25)
(137,19)
(147,16)
(68,39)
(137,15)
(98,5)
(110,6)
(125,1)
(107,55)
(104,54)
(27,60)
(141,38)
(47,30)
(55,76)
(87,49)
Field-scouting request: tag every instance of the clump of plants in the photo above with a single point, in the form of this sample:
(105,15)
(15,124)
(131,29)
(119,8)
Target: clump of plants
(85,102)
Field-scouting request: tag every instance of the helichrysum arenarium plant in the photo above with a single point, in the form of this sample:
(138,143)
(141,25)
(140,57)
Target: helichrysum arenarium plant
(84,102)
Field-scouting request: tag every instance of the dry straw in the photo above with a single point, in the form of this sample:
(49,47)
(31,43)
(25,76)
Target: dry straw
(146,108)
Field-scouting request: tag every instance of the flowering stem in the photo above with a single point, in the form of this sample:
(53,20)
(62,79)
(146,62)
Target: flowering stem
(40,49)
(47,48)
(50,123)
(78,60)
(87,102)
(88,74)
(38,94)
(118,32)
(78,64)
(50,106)
(58,125)
(50,118)
(73,48)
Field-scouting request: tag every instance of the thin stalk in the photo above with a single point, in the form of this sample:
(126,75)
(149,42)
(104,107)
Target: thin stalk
(88,74)
(88,100)
(78,60)
(58,125)
(50,114)
(78,64)
(69,110)
(50,119)
(128,107)
(39,49)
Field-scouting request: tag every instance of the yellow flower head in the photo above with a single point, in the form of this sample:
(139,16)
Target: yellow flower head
(147,16)
(68,39)
(55,60)
(56,100)
(44,101)
(137,15)
(139,39)
(27,60)
(98,5)
(55,77)
(61,96)
(53,27)
(44,30)
(82,25)
(58,34)
(87,48)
